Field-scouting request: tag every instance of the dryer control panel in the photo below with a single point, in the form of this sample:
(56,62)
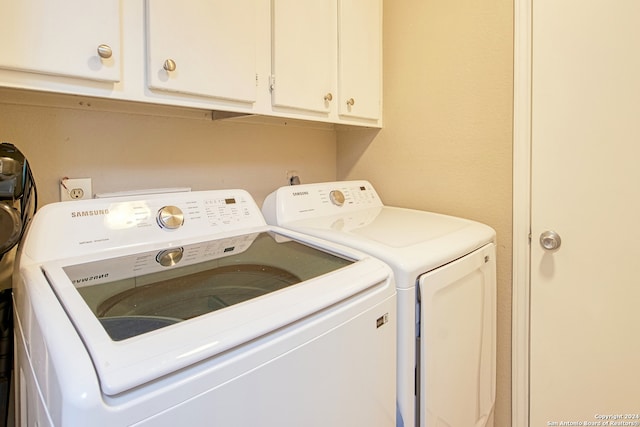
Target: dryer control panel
(305,201)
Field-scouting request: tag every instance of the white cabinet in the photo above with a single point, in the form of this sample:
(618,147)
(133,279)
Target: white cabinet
(326,57)
(360,58)
(303,54)
(77,38)
(300,59)
(203,47)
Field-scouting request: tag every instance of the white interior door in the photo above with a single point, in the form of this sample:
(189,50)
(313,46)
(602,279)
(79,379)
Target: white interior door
(585,296)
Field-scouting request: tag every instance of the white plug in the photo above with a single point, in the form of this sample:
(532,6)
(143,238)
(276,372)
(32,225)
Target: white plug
(293,178)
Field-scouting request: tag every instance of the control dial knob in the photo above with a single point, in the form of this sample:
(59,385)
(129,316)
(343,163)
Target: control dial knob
(169,257)
(170,217)
(336,197)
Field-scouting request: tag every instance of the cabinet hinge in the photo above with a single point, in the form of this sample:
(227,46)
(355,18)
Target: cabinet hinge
(256,79)
(272,83)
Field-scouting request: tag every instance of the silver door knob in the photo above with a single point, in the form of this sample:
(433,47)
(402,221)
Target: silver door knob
(104,51)
(169,65)
(550,240)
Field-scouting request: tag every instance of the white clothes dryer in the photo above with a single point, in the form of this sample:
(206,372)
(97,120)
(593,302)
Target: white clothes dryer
(188,309)
(445,272)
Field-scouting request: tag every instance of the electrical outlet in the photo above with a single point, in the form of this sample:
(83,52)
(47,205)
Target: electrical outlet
(293,178)
(75,189)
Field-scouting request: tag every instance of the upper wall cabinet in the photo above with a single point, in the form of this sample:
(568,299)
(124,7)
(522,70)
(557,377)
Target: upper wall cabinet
(77,38)
(316,60)
(203,47)
(326,57)
(303,54)
(359,58)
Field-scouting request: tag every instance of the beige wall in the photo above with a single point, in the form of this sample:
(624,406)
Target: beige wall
(446,141)
(151,147)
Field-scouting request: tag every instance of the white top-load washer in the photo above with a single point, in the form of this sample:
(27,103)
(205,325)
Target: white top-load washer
(188,309)
(445,275)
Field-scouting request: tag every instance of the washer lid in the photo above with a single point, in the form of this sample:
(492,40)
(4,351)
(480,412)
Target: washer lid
(141,317)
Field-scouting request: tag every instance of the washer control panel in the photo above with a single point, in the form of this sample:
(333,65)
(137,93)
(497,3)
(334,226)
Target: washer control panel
(91,225)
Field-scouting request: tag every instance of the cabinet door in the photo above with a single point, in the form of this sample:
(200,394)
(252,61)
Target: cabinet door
(359,58)
(61,37)
(209,47)
(303,49)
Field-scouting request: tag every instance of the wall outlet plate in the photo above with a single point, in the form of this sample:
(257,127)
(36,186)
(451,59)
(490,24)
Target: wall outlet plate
(75,189)
(293,177)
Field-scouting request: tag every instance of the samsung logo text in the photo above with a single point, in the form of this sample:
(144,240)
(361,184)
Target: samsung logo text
(90,278)
(96,212)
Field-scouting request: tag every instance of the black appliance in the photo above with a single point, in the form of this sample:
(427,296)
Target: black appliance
(18,197)
(18,203)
